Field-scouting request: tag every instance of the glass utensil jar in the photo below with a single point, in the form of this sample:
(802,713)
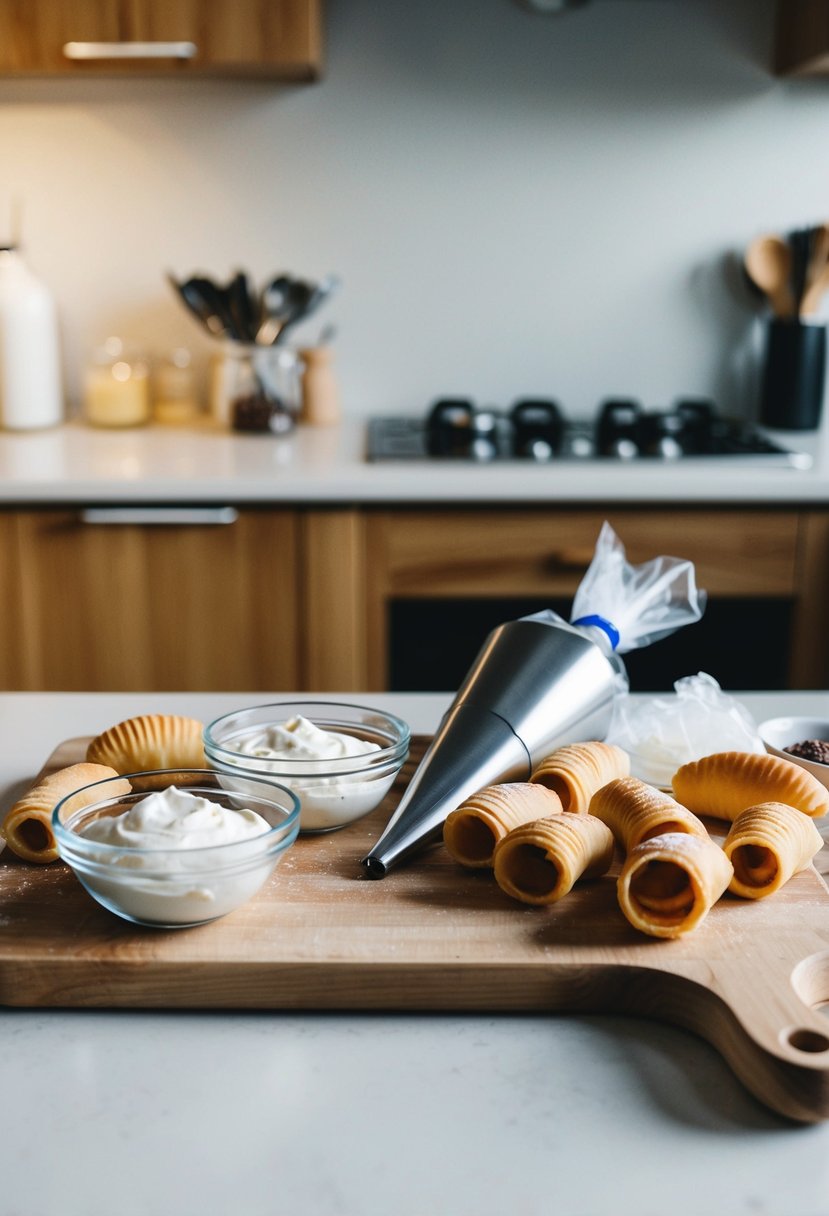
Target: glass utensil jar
(256,388)
(116,387)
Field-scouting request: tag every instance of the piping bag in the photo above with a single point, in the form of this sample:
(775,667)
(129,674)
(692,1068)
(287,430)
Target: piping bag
(538,683)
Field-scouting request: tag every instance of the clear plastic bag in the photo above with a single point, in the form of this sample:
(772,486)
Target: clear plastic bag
(641,603)
(622,607)
(662,732)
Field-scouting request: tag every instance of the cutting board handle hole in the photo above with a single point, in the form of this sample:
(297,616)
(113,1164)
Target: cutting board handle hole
(803,1039)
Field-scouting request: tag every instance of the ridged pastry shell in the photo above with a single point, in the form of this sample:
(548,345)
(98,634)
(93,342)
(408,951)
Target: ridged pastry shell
(471,832)
(766,845)
(539,862)
(148,742)
(28,825)
(669,883)
(576,771)
(724,784)
(635,811)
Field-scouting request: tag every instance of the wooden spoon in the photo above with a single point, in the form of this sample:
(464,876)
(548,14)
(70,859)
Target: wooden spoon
(768,261)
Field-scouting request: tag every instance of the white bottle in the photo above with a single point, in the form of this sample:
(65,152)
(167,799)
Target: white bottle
(30,384)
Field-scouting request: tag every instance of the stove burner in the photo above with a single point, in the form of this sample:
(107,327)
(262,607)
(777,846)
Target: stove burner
(455,428)
(536,430)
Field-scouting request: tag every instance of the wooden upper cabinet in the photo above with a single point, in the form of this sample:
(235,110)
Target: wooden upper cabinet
(280,39)
(802,38)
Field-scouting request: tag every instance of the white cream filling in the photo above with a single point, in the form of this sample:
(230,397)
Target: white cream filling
(180,885)
(174,819)
(326,801)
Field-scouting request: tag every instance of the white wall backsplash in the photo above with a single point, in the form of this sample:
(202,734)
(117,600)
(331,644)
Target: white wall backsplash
(516,204)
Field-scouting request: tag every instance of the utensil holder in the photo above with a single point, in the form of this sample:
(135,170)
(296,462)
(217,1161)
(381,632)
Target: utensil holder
(256,388)
(793,376)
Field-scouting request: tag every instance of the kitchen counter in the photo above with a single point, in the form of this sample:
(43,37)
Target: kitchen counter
(76,463)
(373,1114)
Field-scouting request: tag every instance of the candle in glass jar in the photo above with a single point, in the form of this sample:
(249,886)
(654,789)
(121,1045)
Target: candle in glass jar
(116,389)
(175,401)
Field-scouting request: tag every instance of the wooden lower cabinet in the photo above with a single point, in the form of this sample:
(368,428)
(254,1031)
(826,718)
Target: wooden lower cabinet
(127,606)
(501,553)
(301,598)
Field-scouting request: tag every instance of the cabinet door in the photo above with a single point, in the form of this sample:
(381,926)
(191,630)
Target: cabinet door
(246,37)
(276,38)
(12,633)
(493,554)
(537,552)
(127,606)
(33,35)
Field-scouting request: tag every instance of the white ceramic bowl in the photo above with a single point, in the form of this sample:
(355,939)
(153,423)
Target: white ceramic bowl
(779,733)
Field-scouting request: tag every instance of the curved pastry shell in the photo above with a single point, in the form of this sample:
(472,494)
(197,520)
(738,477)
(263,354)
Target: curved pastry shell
(539,862)
(576,771)
(28,825)
(148,742)
(724,784)
(652,892)
(766,845)
(471,832)
(634,811)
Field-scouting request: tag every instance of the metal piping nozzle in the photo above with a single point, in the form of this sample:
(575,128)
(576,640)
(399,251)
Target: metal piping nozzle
(534,686)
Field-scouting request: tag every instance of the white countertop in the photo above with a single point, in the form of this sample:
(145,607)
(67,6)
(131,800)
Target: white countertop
(77,463)
(373,1115)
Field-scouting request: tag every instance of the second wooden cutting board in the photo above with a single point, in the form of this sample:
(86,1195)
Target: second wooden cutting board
(432,936)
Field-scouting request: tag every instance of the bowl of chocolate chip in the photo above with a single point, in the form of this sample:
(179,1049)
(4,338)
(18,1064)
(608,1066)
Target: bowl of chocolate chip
(803,741)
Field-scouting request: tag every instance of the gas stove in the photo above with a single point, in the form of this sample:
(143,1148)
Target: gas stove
(536,430)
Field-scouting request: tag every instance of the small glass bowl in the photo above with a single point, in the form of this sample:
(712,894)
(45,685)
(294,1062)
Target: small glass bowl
(174,888)
(332,792)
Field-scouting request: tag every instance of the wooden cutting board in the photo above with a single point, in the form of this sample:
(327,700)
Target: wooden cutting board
(432,936)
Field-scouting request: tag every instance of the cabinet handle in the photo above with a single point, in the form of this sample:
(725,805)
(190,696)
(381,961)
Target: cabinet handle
(130,50)
(195,517)
(569,559)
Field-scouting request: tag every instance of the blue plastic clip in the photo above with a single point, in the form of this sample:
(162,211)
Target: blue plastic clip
(601,623)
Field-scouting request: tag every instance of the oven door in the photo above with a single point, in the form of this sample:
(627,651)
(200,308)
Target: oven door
(433,642)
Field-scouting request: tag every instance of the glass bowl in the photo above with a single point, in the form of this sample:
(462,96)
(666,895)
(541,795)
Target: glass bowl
(333,791)
(174,887)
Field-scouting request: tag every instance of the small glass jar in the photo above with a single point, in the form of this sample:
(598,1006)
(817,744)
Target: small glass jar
(116,387)
(175,400)
(256,388)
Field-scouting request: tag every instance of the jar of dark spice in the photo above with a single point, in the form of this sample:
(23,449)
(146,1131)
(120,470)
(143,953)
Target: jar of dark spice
(256,388)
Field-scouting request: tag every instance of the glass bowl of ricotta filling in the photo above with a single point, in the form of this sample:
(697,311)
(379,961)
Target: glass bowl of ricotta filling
(339,759)
(175,848)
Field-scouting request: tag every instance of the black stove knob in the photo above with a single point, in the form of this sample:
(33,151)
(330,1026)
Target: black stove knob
(617,428)
(449,427)
(696,409)
(661,435)
(700,424)
(537,429)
